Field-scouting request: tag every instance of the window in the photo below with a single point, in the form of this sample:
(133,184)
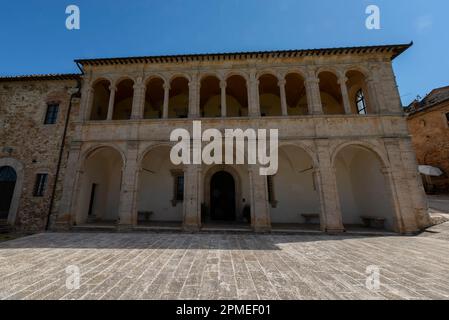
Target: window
(360,102)
(178,189)
(447,118)
(271,195)
(41,184)
(52,114)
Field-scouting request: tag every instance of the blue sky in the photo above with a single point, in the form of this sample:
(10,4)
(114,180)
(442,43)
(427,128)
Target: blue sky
(35,40)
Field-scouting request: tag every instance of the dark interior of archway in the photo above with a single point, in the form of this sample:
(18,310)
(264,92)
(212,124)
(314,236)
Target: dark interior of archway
(101,100)
(180,87)
(8,179)
(295,91)
(154,98)
(210,87)
(124,100)
(236,88)
(222,197)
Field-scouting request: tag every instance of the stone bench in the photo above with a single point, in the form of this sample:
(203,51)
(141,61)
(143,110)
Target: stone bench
(373,222)
(310,217)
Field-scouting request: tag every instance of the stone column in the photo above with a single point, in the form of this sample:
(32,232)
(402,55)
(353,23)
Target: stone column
(192,198)
(113,89)
(138,100)
(194,101)
(313,94)
(344,93)
(401,176)
(223,85)
(372,95)
(281,84)
(66,209)
(260,210)
(86,104)
(253,94)
(166,100)
(331,217)
(128,191)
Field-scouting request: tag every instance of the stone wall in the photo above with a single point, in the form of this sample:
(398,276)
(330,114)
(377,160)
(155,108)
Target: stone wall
(25,138)
(430,136)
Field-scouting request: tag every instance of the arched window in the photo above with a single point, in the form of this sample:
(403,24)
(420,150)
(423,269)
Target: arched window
(360,102)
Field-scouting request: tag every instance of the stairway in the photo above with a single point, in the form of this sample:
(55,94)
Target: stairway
(4,227)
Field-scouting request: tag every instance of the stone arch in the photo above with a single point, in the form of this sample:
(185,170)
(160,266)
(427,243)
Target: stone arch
(155,75)
(210,96)
(124,96)
(175,75)
(150,148)
(296,93)
(92,149)
(231,73)
(99,79)
(154,97)
(178,105)
(15,201)
(330,91)
(238,180)
(380,154)
(99,185)
(237,98)
(364,186)
(209,74)
(269,94)
(101,91)
(270,72)
(360,97)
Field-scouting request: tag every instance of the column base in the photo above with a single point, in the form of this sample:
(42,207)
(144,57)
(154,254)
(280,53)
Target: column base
(262,229)
(125,227)
(191,228)
(335,230)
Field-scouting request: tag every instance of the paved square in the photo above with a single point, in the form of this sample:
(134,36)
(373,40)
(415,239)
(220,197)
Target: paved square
(223,266)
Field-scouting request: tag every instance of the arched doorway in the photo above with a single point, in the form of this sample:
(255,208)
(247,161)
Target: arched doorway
(8,178)
(222,197)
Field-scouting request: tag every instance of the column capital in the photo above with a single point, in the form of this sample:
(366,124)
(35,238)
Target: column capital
(223,84)
(312,79)
(112,88)
(282,82)
(167,86)
(342,80)
(138,86)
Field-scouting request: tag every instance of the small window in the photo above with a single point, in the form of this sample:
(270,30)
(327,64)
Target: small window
(178,190)
(447,118)
(52,114)
(271,195)
(360,102)
(41,184)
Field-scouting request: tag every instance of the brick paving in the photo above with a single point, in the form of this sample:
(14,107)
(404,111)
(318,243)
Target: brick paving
(223,266)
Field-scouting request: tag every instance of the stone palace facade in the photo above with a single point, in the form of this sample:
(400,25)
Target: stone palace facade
(100,156)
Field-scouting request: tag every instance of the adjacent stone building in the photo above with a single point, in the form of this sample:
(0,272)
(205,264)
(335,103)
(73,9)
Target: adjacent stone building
(345,153)
(428,121)
(33,113)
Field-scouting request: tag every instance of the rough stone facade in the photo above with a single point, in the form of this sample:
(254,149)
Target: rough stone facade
(428,122)
(121,129)
(30,146)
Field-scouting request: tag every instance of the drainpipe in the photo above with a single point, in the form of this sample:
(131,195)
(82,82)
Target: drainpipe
(61,152)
